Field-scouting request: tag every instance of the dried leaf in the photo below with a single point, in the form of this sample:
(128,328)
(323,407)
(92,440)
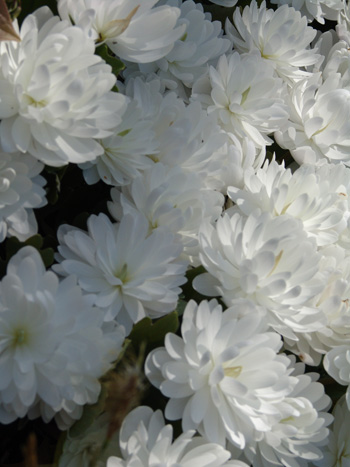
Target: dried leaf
(117,26)
(7,31)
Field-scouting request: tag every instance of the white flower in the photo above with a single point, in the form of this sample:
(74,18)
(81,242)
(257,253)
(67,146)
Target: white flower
(134,274)
(185,135)
(281,37)
(187,138)
(145,441)
(308,194)
(227,379)
(226,3)
(235,158)
(52,343)
(21,190)
(319,123)
(315,9)
(126,151)
(159,128)
(337,58)
(268,260)
(132,29)
(82,450)
(336,453)
(337,364)
(299,435)
(244,96)
(343,26)
(170,199)
(334,303)
(55,93)
(201,45)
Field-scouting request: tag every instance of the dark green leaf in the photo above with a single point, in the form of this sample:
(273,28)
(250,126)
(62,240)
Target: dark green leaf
(48,256)
(29,6)
(154,333)
(13,245)
(116,64)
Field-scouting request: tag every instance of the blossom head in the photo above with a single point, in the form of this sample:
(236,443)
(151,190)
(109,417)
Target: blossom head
(55,93)
(226,378)
(40,318)
(281,37)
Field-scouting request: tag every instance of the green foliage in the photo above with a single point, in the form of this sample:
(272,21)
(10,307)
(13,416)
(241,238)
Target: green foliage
(29,6)
(14,8)
(153,333)
(13,245)
(117,65)
(54,176)
(188,292)
(180,307)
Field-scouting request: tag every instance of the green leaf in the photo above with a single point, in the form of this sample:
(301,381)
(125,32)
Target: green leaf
(188,292)
(36,241)
(80,221)
(181,305)
(48,256)
(154,333)
(104,52)
(13,245)
(29,6)
(14,8)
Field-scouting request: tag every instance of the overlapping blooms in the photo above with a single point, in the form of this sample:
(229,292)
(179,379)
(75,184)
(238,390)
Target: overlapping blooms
(226,379)
(158,128)
(130,272)
(244,96)
(319,122)
(334,303)
(134,31)
(181,140)
(268,260)
(126,152)
(55,93)
(337,365)
(280,37)
(201,45)
(170,199)
(300,436)
(145,441)
(336,452)
(315,9)
(54,346)
(21,190)
(315,195)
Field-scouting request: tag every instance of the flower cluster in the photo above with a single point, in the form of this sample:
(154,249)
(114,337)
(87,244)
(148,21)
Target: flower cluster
(154,153)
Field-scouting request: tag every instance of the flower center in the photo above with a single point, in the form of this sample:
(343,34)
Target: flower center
(245,95)
(33,103)
(19,337)
(122,274)
(233,371)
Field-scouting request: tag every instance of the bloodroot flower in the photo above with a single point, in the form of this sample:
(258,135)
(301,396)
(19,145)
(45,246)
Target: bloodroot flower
(131,273)
(55,93)
(146,441)
(226,378)
(54,345)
